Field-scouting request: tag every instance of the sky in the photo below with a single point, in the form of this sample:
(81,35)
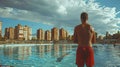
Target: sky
(104,15)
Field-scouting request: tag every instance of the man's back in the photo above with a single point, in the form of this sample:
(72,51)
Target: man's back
(84,35)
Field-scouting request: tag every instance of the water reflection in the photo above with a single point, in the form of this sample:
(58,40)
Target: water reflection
(24,52)
(8,51)
(56,50)
(19,53)
(41,50)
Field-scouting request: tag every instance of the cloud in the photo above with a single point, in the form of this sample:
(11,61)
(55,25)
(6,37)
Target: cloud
(62,13)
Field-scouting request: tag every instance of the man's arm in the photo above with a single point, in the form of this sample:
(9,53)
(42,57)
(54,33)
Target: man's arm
(75,40)
(94,35)
(94,38)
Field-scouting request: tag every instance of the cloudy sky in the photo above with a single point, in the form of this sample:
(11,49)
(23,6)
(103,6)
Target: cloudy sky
(104,15)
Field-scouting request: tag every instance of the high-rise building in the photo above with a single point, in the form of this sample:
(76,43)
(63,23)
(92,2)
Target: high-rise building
(9,33)
(30,33)
(63,34)
(22,32)
(55,34)
(67,34)
(27,32)
(47,35)
(107,34)
(0,30)
(19,34)
(6,36)
(40,34)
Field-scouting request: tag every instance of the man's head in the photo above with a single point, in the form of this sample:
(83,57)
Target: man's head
(84,17)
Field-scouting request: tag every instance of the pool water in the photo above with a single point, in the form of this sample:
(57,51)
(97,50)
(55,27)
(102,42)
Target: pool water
(57,55)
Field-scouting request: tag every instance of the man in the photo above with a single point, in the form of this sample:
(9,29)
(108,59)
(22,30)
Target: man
(84,36)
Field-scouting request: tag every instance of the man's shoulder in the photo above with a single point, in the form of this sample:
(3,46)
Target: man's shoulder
(88,25)
(91,27)
(77,26)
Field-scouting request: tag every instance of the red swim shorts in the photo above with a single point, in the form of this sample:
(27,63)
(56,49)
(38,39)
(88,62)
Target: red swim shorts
(85,55)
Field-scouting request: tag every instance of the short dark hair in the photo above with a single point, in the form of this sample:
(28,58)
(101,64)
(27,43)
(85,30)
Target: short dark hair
(84,16)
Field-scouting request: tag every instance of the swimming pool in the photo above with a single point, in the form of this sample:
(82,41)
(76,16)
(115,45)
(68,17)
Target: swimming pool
(57,55)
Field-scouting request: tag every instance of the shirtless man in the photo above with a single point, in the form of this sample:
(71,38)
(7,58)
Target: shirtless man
(84,36)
